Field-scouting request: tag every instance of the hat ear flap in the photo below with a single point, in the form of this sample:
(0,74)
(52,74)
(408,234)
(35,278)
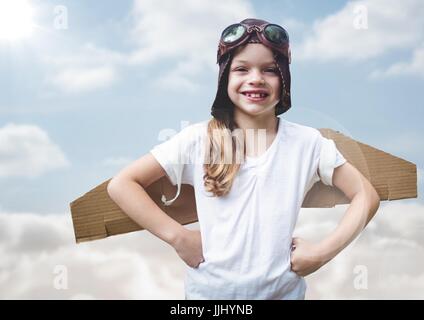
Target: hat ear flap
(223,108)
(285,98)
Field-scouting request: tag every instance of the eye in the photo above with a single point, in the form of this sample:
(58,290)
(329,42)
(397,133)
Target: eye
(272,70)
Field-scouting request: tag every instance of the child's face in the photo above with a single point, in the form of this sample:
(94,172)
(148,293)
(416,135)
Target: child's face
(244,76)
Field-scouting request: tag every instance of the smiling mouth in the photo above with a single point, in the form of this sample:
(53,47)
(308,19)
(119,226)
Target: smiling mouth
(255,97)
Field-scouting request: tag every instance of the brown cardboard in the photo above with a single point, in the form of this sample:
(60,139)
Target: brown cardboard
(96,216)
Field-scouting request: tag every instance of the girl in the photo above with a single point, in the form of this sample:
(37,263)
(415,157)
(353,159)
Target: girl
(247,209)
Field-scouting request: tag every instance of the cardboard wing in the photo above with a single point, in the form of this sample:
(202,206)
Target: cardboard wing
(95,215)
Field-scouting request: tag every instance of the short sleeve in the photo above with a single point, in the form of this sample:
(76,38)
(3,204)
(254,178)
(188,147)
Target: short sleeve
(329,159)
(175,157)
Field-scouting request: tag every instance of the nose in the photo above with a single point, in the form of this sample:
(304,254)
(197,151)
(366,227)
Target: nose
(256,79)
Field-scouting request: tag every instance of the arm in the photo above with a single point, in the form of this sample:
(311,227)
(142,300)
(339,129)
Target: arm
(363,206)
(307,257)
(127,190)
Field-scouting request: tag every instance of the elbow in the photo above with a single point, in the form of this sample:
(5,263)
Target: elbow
(374,199)
(112,188)
(370,197)
(377,200)
(117,186)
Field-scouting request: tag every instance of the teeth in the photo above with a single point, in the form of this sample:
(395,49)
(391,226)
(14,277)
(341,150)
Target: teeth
(256,95)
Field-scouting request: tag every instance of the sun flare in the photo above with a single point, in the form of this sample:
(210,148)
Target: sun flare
(16,19)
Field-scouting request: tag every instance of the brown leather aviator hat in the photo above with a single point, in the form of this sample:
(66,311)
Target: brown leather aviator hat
(252,31)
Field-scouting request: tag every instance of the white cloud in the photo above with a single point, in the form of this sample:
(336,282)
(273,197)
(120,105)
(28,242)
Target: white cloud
(391,249)
(186,30)
(117,161)
(87,55)
(181,78)
(391,25)
(27,150)
(414,67)
(405,144)
(77,80)
(86,69)
(140,266)
(132,266)
(293,25)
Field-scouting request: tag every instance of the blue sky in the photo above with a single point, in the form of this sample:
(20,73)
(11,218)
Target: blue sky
(82,99)
(101,123)
(104,87)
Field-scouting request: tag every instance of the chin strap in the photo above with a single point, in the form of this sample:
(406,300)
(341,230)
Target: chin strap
(328,159)
(179,178)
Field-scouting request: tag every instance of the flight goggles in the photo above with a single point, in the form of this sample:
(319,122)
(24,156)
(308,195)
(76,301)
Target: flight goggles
(270,34)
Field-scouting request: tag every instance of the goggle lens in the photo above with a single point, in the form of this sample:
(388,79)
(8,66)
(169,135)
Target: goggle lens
(276,34)
(233,33)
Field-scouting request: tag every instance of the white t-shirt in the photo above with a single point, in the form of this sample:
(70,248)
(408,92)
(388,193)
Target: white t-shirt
(247,234)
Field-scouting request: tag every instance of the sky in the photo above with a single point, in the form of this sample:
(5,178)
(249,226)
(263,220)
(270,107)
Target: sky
(87,87)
